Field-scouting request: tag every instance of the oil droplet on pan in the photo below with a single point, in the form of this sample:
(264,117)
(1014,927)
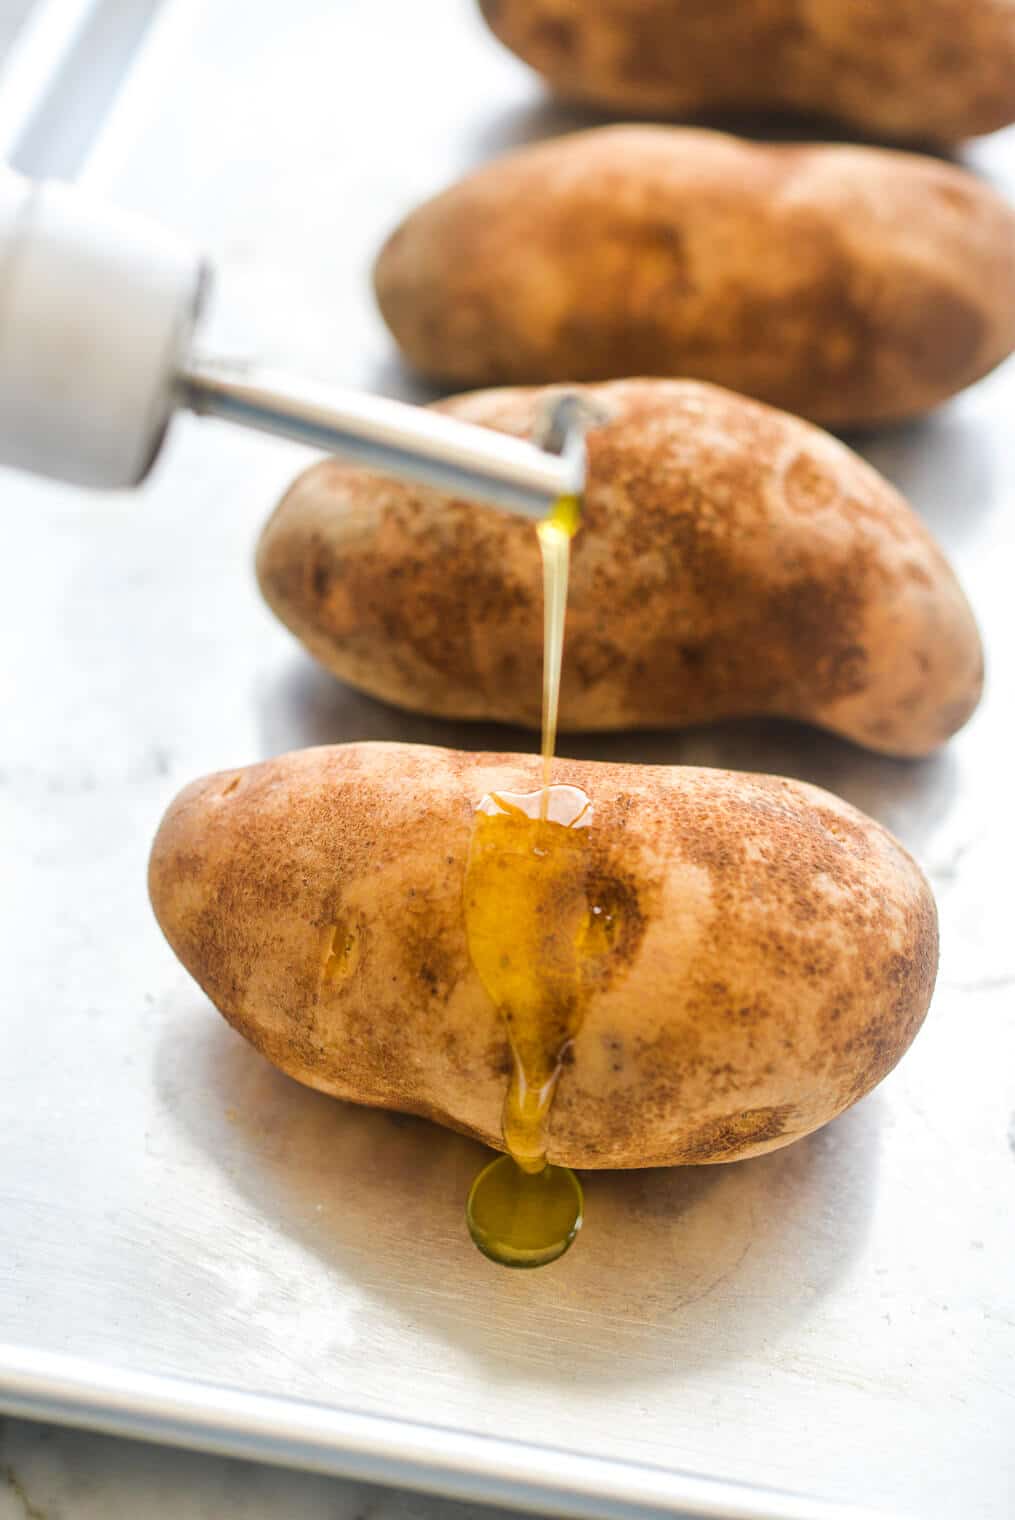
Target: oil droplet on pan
(524,1219)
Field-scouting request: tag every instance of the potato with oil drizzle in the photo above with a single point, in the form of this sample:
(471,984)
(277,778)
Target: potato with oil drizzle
(751,954)
(733,561)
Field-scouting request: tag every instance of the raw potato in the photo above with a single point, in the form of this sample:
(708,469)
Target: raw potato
(849,285)
(733,561)
(933,69)
(775,958)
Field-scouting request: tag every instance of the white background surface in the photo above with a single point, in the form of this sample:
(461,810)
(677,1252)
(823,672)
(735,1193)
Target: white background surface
(12,13)
(836,1317)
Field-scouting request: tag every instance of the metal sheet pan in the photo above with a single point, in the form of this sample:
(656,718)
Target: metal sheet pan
(834,1319)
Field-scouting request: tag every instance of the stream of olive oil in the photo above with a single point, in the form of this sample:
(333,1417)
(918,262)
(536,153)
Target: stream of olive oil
(531,929)
(555,534)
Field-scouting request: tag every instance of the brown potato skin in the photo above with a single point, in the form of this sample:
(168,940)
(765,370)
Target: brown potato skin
(937,70)
(850,285)
(778,952)
(732,561)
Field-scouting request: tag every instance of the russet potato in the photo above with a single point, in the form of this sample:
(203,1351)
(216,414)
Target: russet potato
(774,956)
(733,560)
(929,69)
(850,285)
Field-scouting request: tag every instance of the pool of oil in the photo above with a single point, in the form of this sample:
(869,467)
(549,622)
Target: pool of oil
(524,1219)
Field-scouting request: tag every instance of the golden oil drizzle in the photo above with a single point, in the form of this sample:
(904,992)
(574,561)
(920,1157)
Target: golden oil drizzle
(555,534)
(531,930)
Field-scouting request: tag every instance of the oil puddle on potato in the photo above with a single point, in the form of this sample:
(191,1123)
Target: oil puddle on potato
(528,920)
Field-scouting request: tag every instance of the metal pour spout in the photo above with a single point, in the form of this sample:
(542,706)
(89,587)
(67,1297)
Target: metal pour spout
(397,438)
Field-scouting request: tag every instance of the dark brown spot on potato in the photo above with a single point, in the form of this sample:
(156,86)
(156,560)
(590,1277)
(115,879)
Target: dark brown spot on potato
(728,1137)
(434,955)
(940,333)
(554,35)
(809,487)
(617,920)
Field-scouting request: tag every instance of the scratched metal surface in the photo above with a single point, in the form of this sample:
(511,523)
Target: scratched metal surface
(835,1318)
